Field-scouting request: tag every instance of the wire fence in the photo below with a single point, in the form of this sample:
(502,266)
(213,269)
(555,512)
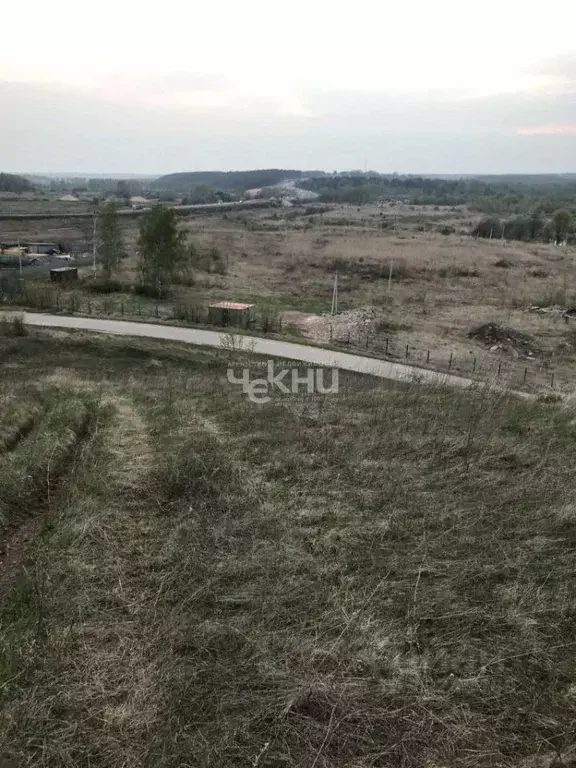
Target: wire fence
(530,373)
(48,298)
(526,373)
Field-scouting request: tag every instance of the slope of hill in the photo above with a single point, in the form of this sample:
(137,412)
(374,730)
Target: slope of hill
(225,180)
(383,578)
(10,182)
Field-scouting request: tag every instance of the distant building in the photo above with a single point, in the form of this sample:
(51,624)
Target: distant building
(231,313)
(64,274)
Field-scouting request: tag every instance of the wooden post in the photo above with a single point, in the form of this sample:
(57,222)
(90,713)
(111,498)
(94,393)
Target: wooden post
(525,374)
(450,361)
(499,367)
(428,356)
(552,381)
(386,352)
(407,348)
(474,366)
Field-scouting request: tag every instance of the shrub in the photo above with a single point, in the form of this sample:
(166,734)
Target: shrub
(104,286)
(13,326)
(151,291)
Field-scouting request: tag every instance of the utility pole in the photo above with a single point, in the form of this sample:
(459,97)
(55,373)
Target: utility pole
(391,267)
(94,242)
(334,310)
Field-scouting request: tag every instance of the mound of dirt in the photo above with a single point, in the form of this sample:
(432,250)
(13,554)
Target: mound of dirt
(499,338)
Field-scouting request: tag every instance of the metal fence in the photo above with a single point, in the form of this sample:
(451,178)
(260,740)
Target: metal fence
(529,373)
(522,373)
(49,298)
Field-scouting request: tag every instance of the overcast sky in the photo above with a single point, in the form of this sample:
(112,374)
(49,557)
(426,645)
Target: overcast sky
(421,86)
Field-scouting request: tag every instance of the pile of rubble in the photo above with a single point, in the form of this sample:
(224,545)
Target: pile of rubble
(353,325)
(501,339)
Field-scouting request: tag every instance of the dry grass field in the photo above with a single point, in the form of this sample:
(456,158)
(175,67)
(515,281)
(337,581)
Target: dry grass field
(382,577)
(444,286)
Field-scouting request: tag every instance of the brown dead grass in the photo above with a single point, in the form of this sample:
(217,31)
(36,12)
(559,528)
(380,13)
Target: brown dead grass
(378,578)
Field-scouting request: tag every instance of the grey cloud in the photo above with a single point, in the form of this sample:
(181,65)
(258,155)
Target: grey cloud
(562,67)
(45,128)
(179,82)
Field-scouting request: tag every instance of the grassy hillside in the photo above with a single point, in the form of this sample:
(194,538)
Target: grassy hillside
(225,180)
(379,578)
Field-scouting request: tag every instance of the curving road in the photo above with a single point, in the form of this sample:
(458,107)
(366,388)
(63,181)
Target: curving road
(263,346)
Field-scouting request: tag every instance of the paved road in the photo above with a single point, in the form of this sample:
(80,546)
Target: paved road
(262,346)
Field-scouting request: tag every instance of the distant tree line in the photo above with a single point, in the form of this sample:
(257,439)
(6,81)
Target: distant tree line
(10,182)
(492,195)
(558,228)
(225,180)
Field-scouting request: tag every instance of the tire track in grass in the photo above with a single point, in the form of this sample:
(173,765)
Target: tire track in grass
(31,474)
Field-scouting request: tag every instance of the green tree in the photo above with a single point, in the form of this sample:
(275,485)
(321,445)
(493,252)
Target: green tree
(161,243)
(562,221)
(10,182)
(123,190)
(111,245)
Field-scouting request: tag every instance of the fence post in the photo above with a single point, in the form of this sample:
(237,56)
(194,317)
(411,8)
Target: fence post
(552,381)
(427,356)
(386,352)
(89,307)
(450,361)
(407,347)
(331,331)
(139,308)
(474,366)
(367,338)
(348,338)
(157,309)
(122,307)
(499,367)
(525,374)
